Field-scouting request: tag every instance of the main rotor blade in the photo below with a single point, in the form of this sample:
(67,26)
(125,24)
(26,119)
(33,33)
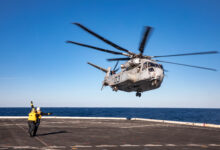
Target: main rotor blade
(103,39)
(97,48)
(116,65)
(186,65)
(187,54)
(117,59)
(100,68)
(144,39)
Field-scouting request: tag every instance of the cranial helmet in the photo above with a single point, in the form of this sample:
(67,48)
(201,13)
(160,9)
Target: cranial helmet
(38,108)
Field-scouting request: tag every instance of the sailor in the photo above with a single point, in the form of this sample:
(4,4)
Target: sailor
(34,119)
(39,115)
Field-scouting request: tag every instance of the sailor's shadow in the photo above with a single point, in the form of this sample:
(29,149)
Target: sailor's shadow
(50,133)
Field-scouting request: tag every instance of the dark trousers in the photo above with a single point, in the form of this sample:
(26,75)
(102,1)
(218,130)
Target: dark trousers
(36,127)
(33,127)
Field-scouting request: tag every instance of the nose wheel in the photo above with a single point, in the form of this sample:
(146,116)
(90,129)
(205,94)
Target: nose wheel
(138,94)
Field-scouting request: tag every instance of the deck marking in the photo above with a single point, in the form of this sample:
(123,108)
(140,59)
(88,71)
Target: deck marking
(56,147)
(153,145)
(45,144)
(170,145)
(73,147)
(204,146)
(41,141)
(83,146)
(106,146)
(23,147)
(129,145)
(141,126)
(103,146)
(213,144)
(31,147)
(197,145)
(115,118)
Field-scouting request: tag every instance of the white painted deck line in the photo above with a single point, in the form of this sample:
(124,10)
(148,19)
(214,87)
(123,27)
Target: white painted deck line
(13,117)
(180,122)
(103,146)
(129,145)
(106,145)
(82,146)
(117,118)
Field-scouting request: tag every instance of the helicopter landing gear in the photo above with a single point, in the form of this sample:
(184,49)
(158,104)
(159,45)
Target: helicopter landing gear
(138,94)
(115,89)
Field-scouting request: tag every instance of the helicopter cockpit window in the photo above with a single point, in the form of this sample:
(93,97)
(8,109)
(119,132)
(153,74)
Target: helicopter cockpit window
(152,65)
(151,69)
(144,66)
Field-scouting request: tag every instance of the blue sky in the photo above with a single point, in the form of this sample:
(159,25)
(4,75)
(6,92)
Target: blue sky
(36,63)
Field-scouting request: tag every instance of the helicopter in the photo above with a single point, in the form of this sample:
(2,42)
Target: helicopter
(141,72)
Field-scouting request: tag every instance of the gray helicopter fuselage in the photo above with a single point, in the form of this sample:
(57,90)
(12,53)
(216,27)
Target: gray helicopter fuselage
(137,75)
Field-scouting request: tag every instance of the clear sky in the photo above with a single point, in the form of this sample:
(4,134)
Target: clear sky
(36,63)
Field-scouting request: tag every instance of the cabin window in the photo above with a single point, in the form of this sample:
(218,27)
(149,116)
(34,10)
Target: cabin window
(138,69)
(117,79)
(144,66)
(151,69)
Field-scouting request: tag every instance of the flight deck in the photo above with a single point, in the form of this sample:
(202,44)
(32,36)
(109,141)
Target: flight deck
(106,134)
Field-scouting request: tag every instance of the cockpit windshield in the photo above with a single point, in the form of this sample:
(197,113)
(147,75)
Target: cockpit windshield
(150,65)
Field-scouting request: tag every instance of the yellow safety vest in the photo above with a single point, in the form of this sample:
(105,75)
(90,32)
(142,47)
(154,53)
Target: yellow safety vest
(32,115)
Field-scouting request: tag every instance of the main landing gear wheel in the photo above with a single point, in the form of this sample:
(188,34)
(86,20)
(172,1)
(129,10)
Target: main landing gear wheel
(138,94)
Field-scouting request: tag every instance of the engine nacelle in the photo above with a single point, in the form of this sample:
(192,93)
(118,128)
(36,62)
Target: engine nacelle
(135,61)
(131,63)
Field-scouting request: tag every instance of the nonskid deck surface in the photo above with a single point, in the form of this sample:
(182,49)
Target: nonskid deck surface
(106,134)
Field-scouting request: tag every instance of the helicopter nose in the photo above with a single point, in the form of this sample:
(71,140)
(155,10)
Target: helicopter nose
(159,74)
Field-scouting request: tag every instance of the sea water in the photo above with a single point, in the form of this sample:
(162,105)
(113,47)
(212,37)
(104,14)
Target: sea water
(200,115)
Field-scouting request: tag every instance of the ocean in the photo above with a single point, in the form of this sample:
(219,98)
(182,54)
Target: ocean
(200,115)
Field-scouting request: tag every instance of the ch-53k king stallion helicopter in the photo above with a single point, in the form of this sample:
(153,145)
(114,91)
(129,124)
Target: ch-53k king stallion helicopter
(140,73)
